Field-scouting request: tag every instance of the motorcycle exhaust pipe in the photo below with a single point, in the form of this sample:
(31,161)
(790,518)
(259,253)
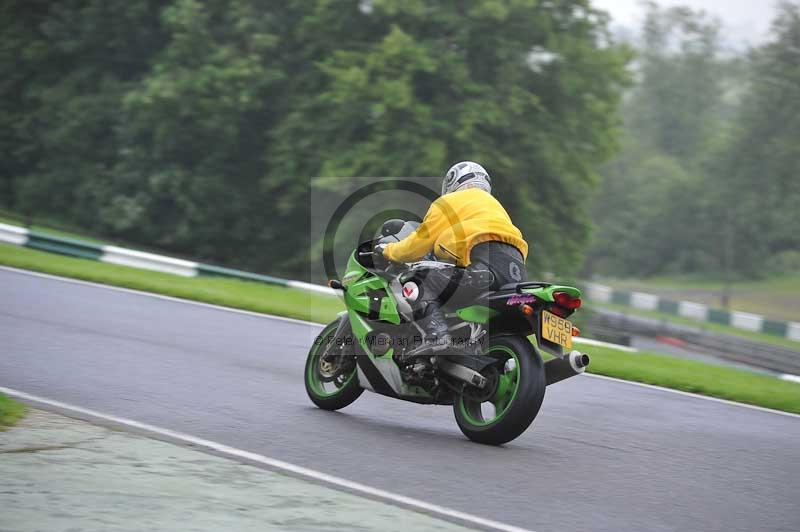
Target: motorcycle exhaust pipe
(463,373)
(558,369)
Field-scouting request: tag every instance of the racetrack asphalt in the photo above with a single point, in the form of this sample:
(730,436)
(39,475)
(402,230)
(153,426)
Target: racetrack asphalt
(602,455)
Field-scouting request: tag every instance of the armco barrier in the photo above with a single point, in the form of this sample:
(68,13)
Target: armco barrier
(644,301)
(769,356)
(21,236)
(747,321)
(12,234)
(218,271)
(148,261)
(598,292)
(695,311)
(793,331)
(64,246)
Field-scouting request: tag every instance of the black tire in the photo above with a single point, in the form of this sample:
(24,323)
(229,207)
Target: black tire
(522,407)
(341,397)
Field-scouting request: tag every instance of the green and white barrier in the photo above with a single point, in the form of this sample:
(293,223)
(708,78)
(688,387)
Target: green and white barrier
(13,234)
(21,236)
(148,261)
(695,311)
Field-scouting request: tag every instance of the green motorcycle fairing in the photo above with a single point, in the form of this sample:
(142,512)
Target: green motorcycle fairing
(368,294)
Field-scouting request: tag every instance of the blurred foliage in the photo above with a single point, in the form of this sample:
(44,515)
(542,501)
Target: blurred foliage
(707,179)
(760,167)
(195,125)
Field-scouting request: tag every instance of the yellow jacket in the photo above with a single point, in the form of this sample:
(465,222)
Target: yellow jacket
(454,224)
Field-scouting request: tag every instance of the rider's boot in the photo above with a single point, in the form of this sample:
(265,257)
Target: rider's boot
(435,327)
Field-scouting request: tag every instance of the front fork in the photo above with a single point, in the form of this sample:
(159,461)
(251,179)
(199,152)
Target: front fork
(337,339)
(342,326)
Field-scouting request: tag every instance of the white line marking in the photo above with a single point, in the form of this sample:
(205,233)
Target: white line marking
(233,452)
(311,323)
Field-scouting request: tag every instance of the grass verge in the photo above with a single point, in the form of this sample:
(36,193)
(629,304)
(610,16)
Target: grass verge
(704,325)
(697,377)
(10,412)
(692,376)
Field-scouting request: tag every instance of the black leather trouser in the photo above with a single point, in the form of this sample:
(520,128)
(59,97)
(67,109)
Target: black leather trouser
(503,260)
(450,284)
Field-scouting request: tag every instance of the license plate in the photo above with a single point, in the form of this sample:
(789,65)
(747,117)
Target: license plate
(557,330)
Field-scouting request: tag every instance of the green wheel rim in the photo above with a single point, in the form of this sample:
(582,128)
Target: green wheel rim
(503,398)
(312,375)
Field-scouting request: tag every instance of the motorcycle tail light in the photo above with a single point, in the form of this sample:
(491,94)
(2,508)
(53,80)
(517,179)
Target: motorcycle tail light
(565,300)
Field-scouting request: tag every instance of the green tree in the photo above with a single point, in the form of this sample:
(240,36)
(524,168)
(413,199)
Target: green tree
(195,131)
(676,106)
(65,67)
(758,171)
(529,89)
(652,212)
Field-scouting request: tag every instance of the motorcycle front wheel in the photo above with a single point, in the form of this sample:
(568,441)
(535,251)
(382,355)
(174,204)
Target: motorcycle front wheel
(499,415)
(330,375)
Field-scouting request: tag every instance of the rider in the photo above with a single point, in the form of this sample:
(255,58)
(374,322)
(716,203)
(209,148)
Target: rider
(466,226)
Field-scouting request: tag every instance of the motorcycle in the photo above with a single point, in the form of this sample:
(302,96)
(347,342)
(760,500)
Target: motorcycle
(492,374)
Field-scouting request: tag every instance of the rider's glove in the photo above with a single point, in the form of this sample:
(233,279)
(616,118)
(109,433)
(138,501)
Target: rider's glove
(378,258)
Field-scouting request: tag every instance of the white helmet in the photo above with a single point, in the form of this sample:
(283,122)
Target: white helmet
(466,174)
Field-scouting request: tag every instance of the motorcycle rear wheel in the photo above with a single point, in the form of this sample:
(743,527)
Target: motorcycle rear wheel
(516,400)
(327,388)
